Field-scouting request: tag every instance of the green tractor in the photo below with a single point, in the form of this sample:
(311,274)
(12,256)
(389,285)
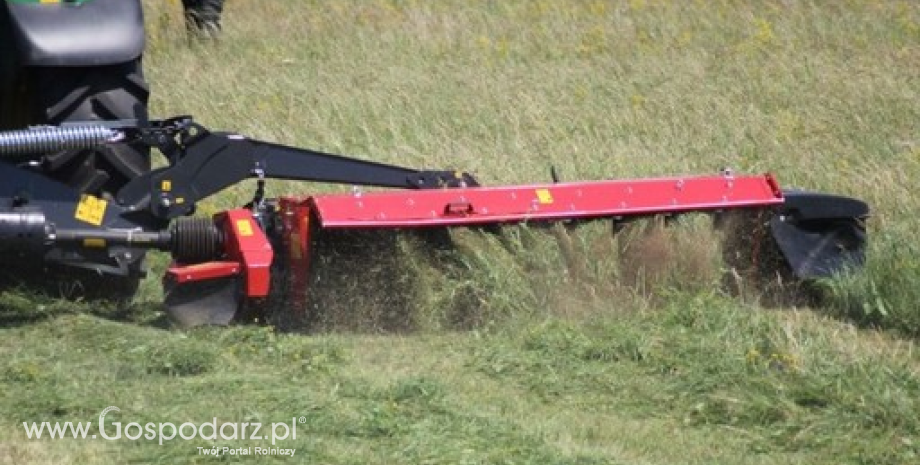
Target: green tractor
(76,61)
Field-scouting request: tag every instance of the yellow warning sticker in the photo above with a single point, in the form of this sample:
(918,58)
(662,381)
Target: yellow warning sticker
(544,196)
(94,243)
(244,228)
(166,185)
(91,210)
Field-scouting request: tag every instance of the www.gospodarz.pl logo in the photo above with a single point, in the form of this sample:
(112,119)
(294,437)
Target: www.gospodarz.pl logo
(165,431)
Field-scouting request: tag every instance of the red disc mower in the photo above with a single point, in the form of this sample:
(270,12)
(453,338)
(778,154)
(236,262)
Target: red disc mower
(222,266)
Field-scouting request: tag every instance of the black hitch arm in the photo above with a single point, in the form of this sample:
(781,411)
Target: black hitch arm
(203,163)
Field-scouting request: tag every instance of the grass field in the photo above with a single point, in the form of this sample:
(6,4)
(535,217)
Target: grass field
(543,368)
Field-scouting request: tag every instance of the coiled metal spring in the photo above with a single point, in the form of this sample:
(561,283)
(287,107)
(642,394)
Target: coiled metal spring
(49,139)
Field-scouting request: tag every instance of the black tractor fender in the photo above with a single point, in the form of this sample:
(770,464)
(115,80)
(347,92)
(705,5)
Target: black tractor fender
(75,32)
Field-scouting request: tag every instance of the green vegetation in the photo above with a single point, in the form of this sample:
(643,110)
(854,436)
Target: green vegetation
(544,347)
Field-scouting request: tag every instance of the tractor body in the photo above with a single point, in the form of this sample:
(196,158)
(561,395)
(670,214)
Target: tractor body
(63,62)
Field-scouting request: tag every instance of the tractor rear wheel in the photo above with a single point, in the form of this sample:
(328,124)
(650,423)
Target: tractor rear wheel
(116,92)
(56,95)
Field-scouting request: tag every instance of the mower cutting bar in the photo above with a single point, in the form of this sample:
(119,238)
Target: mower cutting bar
(563,201)
(239,260)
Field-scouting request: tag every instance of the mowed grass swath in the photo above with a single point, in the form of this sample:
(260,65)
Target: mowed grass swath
(546,368)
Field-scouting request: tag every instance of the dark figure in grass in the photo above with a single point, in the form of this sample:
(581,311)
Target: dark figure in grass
(202,17)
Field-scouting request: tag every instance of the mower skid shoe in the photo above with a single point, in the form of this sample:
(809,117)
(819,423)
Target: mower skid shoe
(820,235)
(212,302)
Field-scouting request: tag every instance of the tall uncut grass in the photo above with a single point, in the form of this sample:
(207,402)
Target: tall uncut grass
(823,94)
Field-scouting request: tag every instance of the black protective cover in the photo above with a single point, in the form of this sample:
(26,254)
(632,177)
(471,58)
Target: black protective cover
(821,234)
(71,33)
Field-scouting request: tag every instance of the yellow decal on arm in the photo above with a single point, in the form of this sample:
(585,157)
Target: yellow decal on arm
(91,210)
